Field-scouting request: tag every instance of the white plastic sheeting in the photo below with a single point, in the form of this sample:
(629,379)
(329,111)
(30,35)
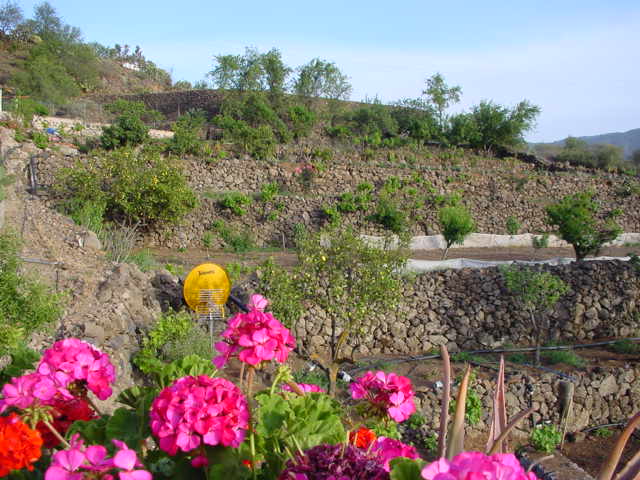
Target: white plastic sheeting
(489,240)
(419,266)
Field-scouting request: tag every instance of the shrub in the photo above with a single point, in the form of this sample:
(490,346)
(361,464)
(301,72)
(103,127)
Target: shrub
(143,259)
(500,126)
(40,140)
(269,191)
(341,132)
(258,142)
(625,346)
(545,438)
(389,215)
(27,108)
(127,130)
(567,357)
(238,242)
(236,202)
(302,121)
(576,219)
(332,214)
(26,305)
(135,187)
(540,241)
(187,129)
(455,223)
(350,202)
(207,239)
(513,226)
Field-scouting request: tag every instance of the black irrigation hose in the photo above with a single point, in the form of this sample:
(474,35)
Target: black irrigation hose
(503,350)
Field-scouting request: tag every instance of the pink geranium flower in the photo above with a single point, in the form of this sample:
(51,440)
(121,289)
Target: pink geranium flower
(72,360)
(386,449)
(390,394)
(33,388)
(305,387)
(199,410)
(471,465)
(255,337)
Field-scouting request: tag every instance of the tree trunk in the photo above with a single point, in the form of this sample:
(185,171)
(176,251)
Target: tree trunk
(333,379)
(444,254)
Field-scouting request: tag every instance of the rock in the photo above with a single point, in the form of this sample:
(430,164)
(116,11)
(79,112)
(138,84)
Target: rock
(91,241)
(94,332)
(608,386)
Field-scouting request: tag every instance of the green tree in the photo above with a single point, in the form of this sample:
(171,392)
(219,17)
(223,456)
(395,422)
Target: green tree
(577,220)
(225,74)
(276,73)
(187,136)
(455,224)
(10,17)
(501,126)
(320,78)
(537,292)
(441,96)
(349,279)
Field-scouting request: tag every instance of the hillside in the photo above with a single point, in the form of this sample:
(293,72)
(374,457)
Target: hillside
(629,141)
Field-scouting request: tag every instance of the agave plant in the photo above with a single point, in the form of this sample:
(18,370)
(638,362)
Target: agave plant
(500,427)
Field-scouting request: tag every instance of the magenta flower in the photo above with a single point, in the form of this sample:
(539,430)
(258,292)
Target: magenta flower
(77,461)
(72,360)
(386,449)
(468,465)
(255,337)
(199,410)
(305,387)
(258,302)
(24,391)
(388,394)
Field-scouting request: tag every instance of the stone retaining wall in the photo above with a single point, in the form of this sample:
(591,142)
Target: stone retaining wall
(472,309)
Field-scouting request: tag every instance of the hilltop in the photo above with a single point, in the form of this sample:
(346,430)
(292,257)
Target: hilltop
(629,141)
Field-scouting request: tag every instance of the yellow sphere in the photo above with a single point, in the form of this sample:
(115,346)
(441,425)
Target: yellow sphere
(206,277)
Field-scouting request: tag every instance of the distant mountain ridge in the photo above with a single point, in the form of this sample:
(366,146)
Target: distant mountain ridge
(629,141)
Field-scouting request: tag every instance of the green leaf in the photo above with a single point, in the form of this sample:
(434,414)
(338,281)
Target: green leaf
(125,425)
(92,431)
(405,469)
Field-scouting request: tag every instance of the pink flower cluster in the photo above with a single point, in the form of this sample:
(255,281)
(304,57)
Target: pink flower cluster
(73,463)
(256,337)
(305,387)
(199,410)
(386,449)
(471,465)
(66,362)
(72,360)
(391,394)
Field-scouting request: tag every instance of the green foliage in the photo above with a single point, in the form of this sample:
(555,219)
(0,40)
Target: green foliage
(144,260)
(473,407)
(128,130)
(350,202)
(518,357)
(207,239)
(389,214)
(5,180)
(173,337)
(187,130)
(135,186)
(26,305)
(441,96)
(538,291)
(416,118)
(283,290)
(10,17)
(567,357)
(455,224)
(136,109)
(576,217)
(237,242)
(40,140)
(269,192)
(415,421)
(314,377)
(287,423)
(27,108)
(236,202)
(258,142)
(22,359)
(513,225)
(341,132)
(373,120)
(320,78)
(500,126)
(578,153)
(302,121)
(625,346)
(540,241)
(545,438)
(603,432)
(405,469)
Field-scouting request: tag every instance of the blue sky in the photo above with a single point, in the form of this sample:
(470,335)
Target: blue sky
(578,60)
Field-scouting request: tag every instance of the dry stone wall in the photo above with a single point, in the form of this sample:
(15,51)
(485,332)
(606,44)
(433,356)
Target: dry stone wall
(472,309)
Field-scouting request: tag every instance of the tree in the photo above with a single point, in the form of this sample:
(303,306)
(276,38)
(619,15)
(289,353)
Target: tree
(456,224)
(225,74)
(349,279)
(276,73)
(501,126)
(320,78)
(635,158)
(10,17)
(538,292)
(576,218)
(441,96)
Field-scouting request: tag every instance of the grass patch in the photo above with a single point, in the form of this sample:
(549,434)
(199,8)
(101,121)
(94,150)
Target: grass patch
(566,357)
(625,346)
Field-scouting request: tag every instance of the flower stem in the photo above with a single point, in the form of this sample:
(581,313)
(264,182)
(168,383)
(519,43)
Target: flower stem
(93,405)
(250,376)
(56,433)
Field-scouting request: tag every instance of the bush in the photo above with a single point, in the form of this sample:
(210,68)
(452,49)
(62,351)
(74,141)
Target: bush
(127,130)
(269,191)
(567,357)
(26,305)
(283,290)
(186,138)
(144,260)
(545,438)
(625,346)
(576,219)
(236,202)
(40,140)
(135,187)
(238,242)
(540,241)
(513,225)
(258,142)
(350,202)
(496,125)
(27,108)
(302,121)
(455,223)
(389,215)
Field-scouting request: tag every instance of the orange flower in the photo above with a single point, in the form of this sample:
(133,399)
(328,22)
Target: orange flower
(19,445)
(363,438)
